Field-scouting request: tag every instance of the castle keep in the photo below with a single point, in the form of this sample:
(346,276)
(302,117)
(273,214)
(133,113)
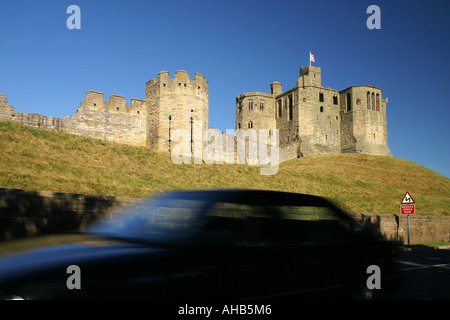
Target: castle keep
(316,120)
(311,119)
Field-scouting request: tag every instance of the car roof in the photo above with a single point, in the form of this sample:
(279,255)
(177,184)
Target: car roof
(254,197)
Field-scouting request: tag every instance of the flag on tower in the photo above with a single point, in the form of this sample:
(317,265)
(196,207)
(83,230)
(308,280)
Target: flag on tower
(311,58)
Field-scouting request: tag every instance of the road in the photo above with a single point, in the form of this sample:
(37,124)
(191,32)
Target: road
(421,273)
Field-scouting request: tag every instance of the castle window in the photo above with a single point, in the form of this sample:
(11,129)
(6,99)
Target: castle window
(250,104)
(349,102)
(290,106)
(373,101)
(250,125)
(198,88)
(117,109)
(335,99)
(179,84)
(261,105)
(106,111)
(185,84)
(239,125)
(321,108)
(280,108)
(95,104)
(321,99)
(240,106)
(378,102)
(164,84)
(368,100)
(138,112)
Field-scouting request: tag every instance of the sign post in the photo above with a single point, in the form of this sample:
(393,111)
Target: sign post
(408,207)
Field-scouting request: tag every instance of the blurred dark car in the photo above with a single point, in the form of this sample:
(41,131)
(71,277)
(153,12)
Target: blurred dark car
(216,244)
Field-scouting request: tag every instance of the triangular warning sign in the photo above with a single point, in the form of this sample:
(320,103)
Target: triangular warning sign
(407,199)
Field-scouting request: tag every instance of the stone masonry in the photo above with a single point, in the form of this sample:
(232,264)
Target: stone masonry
(311,119)
(317,120)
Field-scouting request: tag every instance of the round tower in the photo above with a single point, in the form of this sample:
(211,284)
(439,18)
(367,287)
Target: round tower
(176,103)
(363,121)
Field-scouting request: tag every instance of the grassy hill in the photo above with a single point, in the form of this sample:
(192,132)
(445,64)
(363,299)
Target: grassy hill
(35,159)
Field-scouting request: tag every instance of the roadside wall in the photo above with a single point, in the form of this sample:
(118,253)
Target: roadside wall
(422,229)
(32,213)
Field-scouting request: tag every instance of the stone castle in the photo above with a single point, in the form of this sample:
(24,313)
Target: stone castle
(318,119)
(311,119)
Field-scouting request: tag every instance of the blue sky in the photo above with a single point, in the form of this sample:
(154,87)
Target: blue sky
(239,46)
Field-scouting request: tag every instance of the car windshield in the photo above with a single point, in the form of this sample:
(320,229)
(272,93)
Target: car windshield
(168,219)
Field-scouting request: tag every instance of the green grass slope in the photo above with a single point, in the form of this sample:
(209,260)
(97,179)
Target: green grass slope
(35,159)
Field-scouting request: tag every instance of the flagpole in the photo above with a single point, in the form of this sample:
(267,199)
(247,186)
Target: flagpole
(310,58)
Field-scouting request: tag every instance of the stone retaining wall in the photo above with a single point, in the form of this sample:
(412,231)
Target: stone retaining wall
(422,229)
(30,213)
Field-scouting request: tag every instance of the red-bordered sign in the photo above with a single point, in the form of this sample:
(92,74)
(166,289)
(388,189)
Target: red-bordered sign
(407,199)
(408,208)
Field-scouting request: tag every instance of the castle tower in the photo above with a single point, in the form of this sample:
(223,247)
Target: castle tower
(318,114)
(178,103)
(309,76)
(255,110)
(363,121)
(276,88)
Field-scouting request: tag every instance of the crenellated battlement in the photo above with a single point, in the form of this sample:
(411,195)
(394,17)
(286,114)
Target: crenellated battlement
(180,75)
(180,83)
(169,104)
(115,105)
